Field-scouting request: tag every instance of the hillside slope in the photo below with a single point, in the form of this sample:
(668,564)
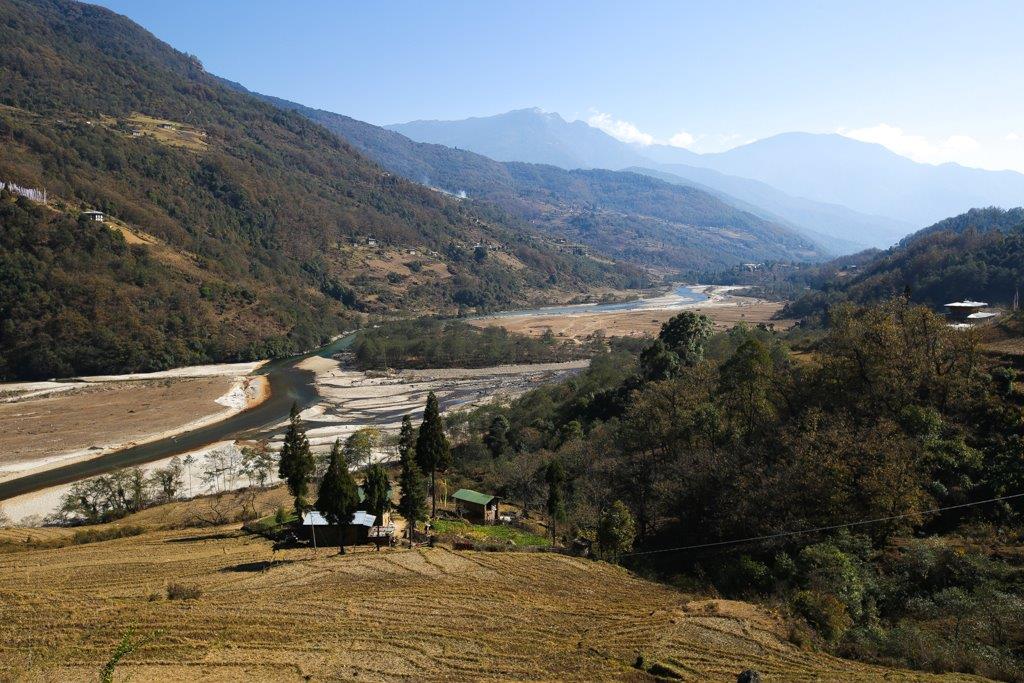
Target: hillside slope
(267,214)
(625,215)
(977,255)
(427,614)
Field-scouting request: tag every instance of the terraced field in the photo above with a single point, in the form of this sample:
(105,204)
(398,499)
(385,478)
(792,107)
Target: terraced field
(395,615)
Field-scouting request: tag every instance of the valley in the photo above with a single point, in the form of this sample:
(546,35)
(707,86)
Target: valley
(716,375)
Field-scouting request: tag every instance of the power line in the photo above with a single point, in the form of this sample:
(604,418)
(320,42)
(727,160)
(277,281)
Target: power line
(832,527)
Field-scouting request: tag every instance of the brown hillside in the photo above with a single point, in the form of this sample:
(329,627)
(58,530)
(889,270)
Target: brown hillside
(397,615)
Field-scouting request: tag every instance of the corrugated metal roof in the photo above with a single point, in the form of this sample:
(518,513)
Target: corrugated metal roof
(471,496)
(314,518)
(966,304)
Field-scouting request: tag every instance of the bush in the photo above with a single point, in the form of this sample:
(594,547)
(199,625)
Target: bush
(824,611)
(183,591)
(105,534)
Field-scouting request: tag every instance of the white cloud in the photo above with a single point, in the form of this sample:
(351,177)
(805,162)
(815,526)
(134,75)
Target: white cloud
(1014,137)
(681,139)
(959,148)
(619,129)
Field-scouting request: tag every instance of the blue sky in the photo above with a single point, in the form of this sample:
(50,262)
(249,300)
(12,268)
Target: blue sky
(936,81)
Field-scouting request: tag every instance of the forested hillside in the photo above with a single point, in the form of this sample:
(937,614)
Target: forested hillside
(977,255)
(728,463)
(622,214)
(253,199)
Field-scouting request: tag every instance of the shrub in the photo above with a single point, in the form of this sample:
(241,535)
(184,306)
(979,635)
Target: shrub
(824,611)
(183,591)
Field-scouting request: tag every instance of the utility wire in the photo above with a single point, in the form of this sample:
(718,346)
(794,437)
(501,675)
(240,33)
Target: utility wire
(832,527)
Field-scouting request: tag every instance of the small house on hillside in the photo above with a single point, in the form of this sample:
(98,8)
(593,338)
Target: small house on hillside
(91,216)
(968,312)
(356,532)
(476,507)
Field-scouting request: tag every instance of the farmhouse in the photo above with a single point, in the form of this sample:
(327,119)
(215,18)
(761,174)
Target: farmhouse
(91,216)
(476,507)
(356,532)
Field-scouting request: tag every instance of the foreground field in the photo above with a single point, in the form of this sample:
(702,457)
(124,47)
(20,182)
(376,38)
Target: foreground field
(395,615)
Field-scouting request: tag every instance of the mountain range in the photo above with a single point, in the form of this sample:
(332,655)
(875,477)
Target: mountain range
(855,193)
(629,216)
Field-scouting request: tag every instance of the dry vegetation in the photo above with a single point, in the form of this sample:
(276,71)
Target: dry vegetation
(253,614)
(639,323)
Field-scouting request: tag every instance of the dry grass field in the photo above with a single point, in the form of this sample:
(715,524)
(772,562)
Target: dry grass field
(425,614)
(639,323)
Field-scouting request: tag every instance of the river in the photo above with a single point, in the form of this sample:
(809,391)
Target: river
(288,385)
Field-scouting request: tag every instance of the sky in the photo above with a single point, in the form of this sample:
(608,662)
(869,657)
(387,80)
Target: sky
(936,81)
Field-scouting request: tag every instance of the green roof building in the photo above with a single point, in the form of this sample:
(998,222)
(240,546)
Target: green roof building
(476,507)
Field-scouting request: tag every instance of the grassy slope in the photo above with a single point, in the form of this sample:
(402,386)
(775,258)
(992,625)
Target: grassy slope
(423,614)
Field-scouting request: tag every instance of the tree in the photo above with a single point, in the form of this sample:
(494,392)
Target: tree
(338,497)
(377,489)
(296,465)
(433,452)
(685,335)
(407,439)
(412,504)
(616,530)
(554,475)
(188,462)
(496,438)
(168,479)
(658,362)
(359,447)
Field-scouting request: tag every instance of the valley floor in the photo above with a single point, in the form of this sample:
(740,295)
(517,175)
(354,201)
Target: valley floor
(424,614)
(45,424)
(723,308)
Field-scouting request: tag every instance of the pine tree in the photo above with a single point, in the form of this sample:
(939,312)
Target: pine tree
(338,495)
(555,477)
(432,450)
(412,504)
(376,488)
(296,466)
(407,439)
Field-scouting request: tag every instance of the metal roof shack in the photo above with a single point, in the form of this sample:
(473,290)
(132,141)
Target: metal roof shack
(355,532)
(477,507)
(968,312)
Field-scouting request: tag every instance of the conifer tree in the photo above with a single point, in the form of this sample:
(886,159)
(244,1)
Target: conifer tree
(296,465)
(432,450)
(554,474)
(412,503)
(376,488)
(338,495)
(407,439)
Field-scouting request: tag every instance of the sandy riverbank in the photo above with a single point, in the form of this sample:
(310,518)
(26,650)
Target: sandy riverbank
(48,424)
(724,308)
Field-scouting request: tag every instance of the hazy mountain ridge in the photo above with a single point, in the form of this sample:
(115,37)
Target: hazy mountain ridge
(829,185)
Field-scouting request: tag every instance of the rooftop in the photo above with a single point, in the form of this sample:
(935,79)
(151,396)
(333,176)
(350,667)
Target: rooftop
(967,304)
(471,496)
(314,518)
